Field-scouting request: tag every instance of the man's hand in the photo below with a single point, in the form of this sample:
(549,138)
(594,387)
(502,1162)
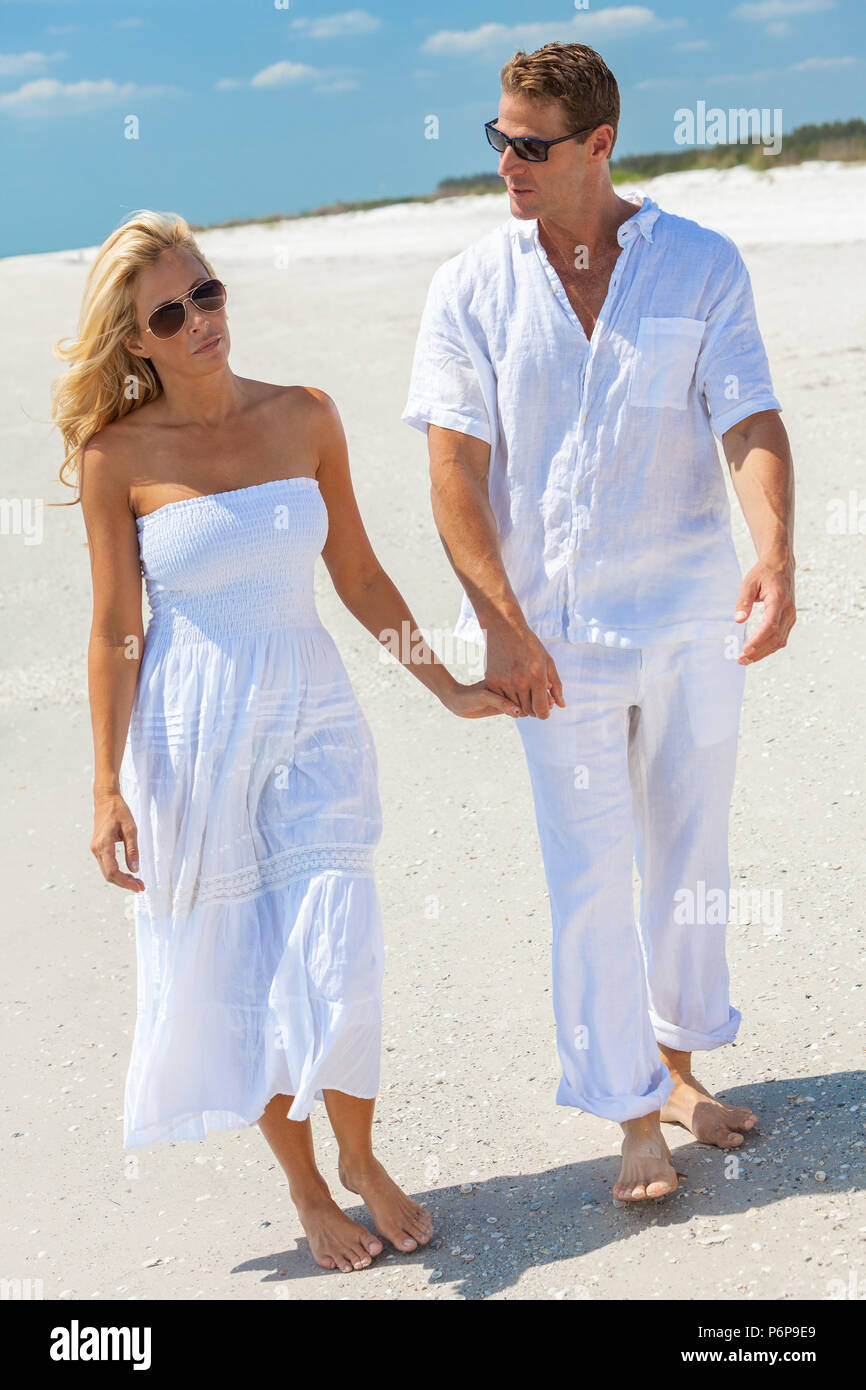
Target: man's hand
(770,583)
(520,668)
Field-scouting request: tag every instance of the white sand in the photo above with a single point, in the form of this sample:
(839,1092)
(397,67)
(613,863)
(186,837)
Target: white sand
(470,1068)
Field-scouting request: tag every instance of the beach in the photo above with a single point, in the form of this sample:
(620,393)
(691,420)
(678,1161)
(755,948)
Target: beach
(519,1188)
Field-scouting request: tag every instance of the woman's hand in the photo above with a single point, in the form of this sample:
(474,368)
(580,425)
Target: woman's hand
(112,822)
(477,701)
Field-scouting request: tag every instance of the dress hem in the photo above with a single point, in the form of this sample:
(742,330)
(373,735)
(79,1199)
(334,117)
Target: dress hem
(176,1130)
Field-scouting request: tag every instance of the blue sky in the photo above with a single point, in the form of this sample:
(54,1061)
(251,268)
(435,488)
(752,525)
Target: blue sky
(248,107)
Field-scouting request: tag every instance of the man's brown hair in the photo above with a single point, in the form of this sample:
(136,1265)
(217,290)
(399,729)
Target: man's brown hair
(572,74)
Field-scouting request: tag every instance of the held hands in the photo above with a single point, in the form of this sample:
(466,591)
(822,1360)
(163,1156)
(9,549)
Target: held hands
(112,822)
(771,583)
(520,669)
(477,701)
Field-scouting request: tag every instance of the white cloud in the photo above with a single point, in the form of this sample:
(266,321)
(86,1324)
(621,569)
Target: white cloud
(337,26)
(761,11)
(815,64)
(17,64)
(46,95)
(625,21)
(761,75)
(284,74)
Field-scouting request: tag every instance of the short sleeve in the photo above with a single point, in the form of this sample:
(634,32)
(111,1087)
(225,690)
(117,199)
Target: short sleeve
(450,370)
(732,370)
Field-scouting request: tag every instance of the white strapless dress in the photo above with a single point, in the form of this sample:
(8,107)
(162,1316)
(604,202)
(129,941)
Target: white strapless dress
(252,776)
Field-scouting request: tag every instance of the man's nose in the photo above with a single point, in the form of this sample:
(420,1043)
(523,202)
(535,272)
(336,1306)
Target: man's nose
(509,162)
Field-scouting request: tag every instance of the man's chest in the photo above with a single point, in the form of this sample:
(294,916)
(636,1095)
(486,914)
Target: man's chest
(585,286)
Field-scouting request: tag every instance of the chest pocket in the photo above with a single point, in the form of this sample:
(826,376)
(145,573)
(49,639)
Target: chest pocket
(664,362)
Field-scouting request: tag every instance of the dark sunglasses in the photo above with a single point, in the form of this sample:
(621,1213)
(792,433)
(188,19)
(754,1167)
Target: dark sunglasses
(169,319)
(526,146)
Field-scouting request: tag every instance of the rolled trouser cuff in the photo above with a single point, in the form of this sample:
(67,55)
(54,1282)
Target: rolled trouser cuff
(619,1108)
(685,1040)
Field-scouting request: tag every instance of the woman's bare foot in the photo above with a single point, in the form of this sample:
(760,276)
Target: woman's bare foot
(711,1121)
(400,1220)
(335,1240)
(647,1170)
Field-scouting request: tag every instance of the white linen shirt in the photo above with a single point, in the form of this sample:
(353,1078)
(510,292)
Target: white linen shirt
(604,479)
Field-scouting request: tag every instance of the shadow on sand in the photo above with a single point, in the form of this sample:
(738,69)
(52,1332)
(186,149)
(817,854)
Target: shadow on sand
(514,1222)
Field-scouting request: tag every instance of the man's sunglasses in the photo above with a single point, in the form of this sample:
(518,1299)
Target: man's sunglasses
(526,146)
(169,319)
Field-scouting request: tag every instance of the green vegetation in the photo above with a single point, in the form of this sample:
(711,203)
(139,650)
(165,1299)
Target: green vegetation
(844,140)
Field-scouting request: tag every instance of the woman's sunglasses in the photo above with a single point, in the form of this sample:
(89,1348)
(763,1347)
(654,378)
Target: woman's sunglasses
(169,319)
(526,146)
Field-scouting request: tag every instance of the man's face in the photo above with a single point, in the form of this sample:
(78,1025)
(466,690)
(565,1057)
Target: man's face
(549,187)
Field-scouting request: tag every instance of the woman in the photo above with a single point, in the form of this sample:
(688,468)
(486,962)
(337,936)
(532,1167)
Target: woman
(232,758)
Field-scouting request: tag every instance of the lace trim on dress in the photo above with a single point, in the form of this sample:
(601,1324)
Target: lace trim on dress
(283,868)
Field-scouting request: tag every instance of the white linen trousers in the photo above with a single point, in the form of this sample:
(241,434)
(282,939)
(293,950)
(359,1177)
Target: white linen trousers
(639,765)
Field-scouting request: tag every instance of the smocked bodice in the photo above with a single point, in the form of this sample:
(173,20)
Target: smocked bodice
(233,563)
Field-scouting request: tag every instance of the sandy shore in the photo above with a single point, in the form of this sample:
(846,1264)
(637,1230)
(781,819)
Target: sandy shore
(467,1119)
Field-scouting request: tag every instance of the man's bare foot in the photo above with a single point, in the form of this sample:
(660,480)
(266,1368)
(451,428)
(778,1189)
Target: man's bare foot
(711,1121)
(647,1170)
(336,1241)
(400,1220)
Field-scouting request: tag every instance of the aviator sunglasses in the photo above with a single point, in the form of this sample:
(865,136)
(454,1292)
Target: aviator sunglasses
(526,146)
(169,319)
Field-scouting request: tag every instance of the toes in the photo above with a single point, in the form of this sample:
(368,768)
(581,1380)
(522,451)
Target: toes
(421,1226)
(632,1192)
(659,1188)
(372,1244)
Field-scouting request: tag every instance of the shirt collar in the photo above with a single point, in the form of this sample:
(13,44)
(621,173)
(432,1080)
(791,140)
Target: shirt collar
(642,221)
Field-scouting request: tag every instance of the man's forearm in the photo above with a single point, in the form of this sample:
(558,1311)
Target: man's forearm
(762,473)
(467,526)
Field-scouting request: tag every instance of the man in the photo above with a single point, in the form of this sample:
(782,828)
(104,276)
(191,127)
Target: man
(571,370)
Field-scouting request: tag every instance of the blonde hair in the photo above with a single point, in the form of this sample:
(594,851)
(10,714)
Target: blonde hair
(94,390)
(572,74)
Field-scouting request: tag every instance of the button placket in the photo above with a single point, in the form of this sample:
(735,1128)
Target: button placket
(575,492)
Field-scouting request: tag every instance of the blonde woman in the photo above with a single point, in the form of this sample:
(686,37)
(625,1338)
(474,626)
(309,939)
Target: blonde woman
(231,757)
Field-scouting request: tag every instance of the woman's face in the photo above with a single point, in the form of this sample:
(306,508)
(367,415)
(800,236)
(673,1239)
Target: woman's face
(172,277)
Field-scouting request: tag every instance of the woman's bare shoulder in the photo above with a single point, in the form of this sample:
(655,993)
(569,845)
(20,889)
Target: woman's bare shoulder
(106,462)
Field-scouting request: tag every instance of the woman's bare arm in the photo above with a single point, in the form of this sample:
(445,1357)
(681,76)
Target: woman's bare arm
(114,650)
(363,585)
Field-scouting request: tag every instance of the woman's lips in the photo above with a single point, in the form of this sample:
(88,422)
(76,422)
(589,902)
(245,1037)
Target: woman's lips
(208,346)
